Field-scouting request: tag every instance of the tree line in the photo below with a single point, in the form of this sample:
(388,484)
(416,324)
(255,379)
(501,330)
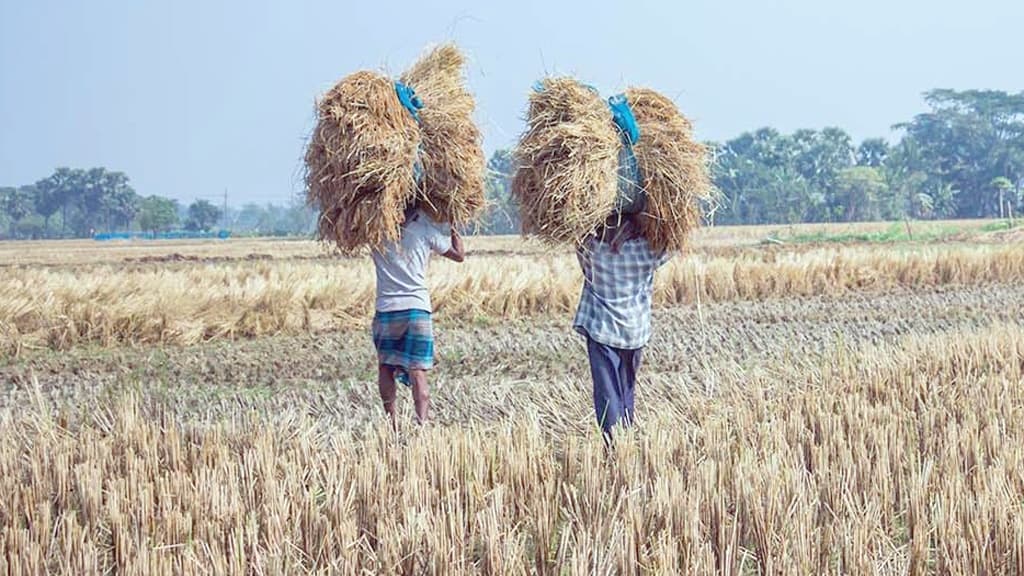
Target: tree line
(77,203)
(963,158)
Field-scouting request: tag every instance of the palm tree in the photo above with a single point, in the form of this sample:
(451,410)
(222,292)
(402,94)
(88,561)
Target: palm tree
(1002,186)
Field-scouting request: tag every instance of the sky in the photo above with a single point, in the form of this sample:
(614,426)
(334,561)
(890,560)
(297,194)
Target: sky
(194,98)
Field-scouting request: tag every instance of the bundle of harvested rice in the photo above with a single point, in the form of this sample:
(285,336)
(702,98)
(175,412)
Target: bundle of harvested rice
(451,154)
(674,168)
(566,181)
(359,163)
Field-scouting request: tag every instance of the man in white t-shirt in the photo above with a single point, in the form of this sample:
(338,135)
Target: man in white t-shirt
(402,327)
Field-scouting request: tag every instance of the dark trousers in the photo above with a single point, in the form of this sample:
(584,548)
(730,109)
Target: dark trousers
(614,373)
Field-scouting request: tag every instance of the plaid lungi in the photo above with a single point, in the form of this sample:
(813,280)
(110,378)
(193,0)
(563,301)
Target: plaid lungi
(404,339)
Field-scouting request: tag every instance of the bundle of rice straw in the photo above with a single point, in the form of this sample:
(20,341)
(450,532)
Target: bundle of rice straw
(674,167)
(359,163)
(452,155)
(566,182)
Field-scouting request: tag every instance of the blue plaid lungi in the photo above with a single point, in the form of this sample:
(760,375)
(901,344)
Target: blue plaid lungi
(404,339)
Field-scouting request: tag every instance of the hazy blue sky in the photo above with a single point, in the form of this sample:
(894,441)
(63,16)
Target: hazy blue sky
(191,97)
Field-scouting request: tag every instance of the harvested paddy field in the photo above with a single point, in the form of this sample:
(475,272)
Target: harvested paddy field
(846,409)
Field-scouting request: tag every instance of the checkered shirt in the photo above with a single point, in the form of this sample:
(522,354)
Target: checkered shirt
(615,306)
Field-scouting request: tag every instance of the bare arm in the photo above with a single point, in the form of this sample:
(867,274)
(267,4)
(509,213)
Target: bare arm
(458,250)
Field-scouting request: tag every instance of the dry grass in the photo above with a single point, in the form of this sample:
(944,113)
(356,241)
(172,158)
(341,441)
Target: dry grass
(452,154)
(359,162)
(155,303)
(566,181)
(894,459)
(361,156)
(674,166)
(776,437)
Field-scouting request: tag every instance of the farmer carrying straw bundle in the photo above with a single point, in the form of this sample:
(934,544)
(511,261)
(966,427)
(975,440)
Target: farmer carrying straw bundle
(402,325)
(397,167)
(621,180)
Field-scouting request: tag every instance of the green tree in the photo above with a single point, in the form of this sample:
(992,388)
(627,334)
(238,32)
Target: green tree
(833,152)
(119,202)
(17,204)
(87,200)
(202,215)
(743,173)
(91,202)
(81,195)
(765,176)
(48,200)
(873,152)
(62,188)
(157,214)
(94,193)
(858,193)
(916,184)
(968,139)
(6,194)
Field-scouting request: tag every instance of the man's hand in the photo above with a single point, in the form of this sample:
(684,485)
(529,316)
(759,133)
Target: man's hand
(458,251)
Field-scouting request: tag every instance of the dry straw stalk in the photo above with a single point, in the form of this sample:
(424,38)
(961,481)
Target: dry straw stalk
(674,168)
(566,182)
(361,157)
(902,458)
(108,305)
(359,162)
(452,154)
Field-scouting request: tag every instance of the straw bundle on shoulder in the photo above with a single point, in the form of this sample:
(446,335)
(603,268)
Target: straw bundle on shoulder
(452,155)
(674,167)
(359,163)
(566,181)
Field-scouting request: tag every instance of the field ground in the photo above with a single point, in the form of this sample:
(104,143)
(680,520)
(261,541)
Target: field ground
(77,252)
(814,406)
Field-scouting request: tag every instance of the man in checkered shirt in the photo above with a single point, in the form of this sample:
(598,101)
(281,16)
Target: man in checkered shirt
(614,315)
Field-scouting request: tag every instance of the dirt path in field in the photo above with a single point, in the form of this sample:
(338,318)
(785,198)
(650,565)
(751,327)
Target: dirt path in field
(716,345)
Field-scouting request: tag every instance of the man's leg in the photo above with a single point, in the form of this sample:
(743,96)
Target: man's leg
(629,368)
(420,394)
(604,370)
(388,391)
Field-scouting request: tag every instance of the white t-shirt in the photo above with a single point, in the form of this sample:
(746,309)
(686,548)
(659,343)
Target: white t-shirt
(402,267)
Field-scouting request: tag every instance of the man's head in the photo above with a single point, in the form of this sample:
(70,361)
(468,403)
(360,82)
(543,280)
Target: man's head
(619,228)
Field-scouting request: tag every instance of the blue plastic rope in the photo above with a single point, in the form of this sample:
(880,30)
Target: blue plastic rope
(624,119)
(407,96)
